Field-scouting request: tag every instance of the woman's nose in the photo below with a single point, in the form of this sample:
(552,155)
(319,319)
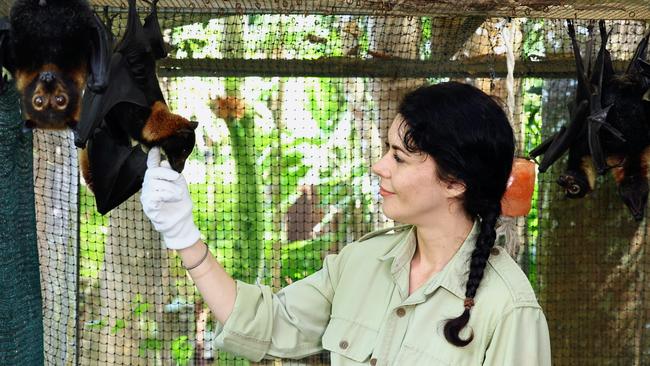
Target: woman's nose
(379,167)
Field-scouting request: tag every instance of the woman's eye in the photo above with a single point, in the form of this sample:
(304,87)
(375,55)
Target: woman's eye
(397,158)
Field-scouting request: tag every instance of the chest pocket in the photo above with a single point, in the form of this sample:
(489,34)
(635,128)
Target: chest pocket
(349,339)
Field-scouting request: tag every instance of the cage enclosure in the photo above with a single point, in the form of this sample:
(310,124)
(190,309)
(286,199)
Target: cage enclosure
(294,100)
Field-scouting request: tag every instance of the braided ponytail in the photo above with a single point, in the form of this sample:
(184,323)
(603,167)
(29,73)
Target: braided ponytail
(480,255)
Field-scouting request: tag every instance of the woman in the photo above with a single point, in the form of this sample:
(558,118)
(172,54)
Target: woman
(433,292)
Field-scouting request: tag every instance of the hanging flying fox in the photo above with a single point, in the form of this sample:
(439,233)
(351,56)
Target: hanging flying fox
(53,49)
(608,127)
(131,109)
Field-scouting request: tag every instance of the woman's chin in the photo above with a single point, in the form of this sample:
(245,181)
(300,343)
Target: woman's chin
(386,210)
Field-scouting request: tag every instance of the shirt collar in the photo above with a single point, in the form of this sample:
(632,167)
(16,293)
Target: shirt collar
(453,276)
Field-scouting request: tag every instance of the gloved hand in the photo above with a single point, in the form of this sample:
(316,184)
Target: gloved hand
(166,202)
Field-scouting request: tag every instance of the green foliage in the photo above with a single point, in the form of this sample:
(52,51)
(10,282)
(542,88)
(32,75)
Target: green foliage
(92,235)
(119,325)
(532,100)
(325,101)
(533,43)
(149,344)
(425,38)
(182,350)
(140,308)
(190,46)
(302,258)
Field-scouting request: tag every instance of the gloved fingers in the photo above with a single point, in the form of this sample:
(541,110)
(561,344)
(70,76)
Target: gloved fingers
(161,173)
(153,158)
(165,164)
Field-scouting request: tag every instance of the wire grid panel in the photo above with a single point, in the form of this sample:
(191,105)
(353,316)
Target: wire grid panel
(280,178)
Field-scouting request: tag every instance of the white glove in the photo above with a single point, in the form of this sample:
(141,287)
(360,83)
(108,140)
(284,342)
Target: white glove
(166,202)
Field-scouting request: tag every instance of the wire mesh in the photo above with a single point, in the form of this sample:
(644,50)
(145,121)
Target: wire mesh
(294,100)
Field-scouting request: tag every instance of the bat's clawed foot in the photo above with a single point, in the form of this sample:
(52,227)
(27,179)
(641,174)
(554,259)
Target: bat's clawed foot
(634,193)
(574,184)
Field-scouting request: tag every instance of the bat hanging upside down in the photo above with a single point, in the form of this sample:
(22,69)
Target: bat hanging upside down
(130,114)
(608,129)
(53,49)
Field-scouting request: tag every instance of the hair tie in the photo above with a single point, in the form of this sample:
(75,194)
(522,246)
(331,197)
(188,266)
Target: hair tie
(469,303)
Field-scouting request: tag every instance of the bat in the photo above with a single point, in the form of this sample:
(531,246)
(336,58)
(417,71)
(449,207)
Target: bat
(53,49)
(131,113)
(607,129)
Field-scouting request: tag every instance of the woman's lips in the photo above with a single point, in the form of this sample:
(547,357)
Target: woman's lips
(384,193)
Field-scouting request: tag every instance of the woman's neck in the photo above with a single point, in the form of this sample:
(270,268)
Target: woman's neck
(437,243)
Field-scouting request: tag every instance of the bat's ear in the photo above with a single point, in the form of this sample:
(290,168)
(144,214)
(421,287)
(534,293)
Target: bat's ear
(194,124)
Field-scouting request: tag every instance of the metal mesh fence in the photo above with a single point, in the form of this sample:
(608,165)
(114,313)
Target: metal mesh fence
(293,103)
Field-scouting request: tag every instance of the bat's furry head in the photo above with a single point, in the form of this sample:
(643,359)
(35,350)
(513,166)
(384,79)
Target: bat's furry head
(178,147)
(575,183)
(173,133)
(50,98)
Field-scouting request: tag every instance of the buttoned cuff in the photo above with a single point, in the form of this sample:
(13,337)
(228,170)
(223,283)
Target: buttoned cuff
(247,331)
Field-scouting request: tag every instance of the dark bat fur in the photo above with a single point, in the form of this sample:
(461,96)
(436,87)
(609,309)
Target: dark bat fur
(131,108)
(608,128)
(48,46)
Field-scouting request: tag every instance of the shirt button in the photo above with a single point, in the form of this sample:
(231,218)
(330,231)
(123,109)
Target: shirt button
(343,344)
(373,361)
(400,312)
(494,251)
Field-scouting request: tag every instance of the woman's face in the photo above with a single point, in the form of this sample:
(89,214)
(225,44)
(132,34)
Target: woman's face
(411,190)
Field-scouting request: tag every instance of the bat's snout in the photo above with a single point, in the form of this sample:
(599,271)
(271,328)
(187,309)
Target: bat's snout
(47,77)
(177,164)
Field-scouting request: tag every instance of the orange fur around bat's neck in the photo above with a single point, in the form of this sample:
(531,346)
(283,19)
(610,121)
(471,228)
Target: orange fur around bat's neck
(619,172)
(84,165)
(162,124)
(24,78)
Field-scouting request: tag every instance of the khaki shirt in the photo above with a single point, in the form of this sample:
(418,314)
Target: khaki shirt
(358,308)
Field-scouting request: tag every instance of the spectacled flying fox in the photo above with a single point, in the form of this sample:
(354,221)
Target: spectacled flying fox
(53,49)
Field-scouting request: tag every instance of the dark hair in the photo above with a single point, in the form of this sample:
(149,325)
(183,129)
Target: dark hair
(469,137)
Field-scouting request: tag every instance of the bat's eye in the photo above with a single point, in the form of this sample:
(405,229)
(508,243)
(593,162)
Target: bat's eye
(60,100)
(38,102)
(574,189)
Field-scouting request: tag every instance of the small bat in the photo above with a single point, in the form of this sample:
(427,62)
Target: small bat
(132,108)
(53,49)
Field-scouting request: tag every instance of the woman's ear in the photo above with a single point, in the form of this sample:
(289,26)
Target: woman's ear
(455,189)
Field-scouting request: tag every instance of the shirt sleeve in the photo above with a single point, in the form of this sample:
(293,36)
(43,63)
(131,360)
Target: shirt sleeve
(289,324)
(521,338)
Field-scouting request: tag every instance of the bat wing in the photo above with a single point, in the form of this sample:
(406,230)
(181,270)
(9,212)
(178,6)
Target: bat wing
(639,56)
(122,87)
(583,91)
(117,168)
(100,57)
(564,138)
(597,119)
(543,147)
(131,70)
(596,122)
(154,33)
(140,48)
